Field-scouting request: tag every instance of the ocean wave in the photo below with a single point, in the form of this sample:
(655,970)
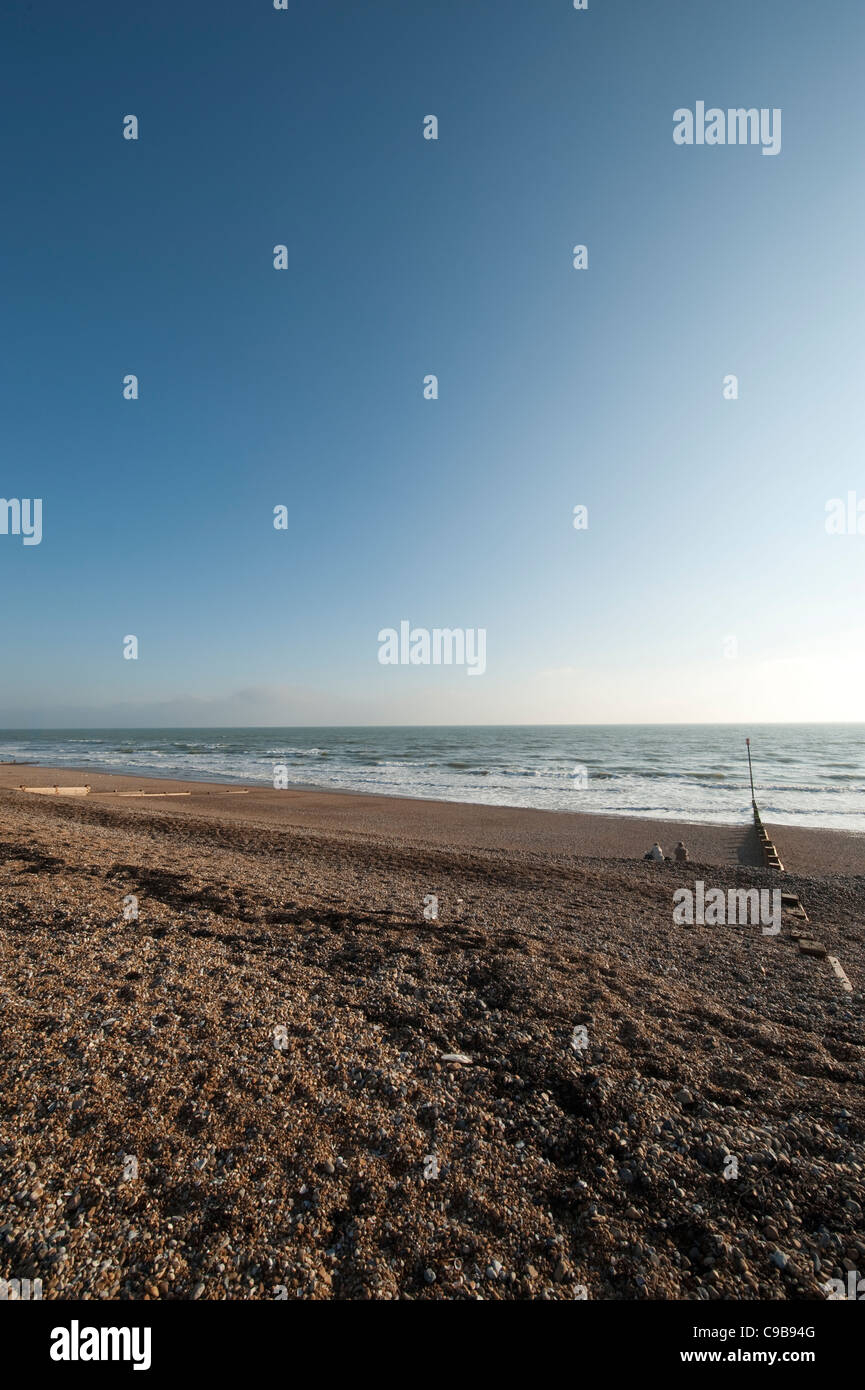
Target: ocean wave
(817,776)
(281,754)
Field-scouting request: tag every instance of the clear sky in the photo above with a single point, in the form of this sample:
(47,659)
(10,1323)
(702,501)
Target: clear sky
(407,256)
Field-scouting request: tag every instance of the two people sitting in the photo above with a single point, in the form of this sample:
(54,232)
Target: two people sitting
(656,854)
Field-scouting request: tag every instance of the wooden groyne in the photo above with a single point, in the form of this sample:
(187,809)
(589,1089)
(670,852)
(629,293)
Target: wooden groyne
(771,858)
(791,904)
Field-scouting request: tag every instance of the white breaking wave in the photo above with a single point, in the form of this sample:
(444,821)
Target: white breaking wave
(807,775)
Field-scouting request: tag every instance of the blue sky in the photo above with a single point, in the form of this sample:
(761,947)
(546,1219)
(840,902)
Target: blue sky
(406,257)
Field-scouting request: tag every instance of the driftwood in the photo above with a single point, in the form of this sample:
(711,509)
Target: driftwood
(57,791)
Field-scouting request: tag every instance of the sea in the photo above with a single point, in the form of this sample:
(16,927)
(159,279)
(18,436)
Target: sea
(804,774)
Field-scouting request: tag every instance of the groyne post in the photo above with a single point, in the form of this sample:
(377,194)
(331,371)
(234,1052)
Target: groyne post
(771,857)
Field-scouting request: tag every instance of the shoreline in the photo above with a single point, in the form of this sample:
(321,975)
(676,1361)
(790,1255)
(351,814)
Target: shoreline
(680,780)
(447,824)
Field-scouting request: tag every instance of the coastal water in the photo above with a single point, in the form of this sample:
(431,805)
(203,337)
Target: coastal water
(812,775)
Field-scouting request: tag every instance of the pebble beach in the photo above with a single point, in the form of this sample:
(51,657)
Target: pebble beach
(364,1048)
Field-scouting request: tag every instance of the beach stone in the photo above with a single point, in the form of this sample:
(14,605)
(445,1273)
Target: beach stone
(324,941)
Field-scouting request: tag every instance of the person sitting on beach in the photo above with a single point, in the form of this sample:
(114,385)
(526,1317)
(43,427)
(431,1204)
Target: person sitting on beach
(656,854)
(681,853)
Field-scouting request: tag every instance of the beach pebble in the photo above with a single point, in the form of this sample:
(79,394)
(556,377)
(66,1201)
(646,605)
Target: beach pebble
(534,1149)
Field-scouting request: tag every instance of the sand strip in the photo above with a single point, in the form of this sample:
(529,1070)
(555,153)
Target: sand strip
(456,825)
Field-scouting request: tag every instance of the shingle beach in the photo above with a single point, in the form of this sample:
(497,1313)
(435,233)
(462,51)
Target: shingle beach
(282,1079)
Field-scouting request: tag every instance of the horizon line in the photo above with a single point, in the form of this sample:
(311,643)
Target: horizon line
(614,724)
